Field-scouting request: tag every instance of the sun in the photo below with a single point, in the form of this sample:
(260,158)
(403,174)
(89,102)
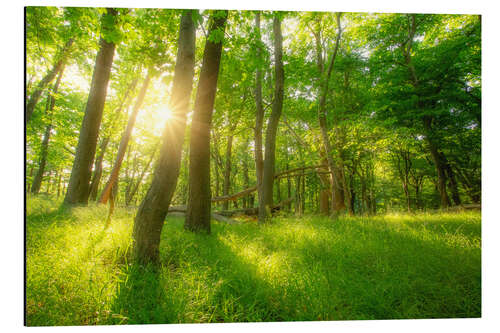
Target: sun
(162,115)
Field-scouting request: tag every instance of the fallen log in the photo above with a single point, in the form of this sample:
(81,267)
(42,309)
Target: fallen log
(177,212)
(254,210)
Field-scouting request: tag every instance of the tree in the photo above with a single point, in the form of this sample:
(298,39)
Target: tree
(149,220)
(124,141)
(37,181)
(266,202)
(58,67)
(78,187)
(199,203)
(259,111)
(337,203)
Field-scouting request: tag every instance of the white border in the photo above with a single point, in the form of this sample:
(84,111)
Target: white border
(12,137)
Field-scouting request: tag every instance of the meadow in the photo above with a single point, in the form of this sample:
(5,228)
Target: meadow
(425,265)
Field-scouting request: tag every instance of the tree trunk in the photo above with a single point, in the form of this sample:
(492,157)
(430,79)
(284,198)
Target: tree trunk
(113,177)
(199,204)
(154,207)
(455,196)
(473,193)
(337,203)
(325,192)
(78,187)
(217,163)
(303,194)
(37,181)
(438,162)
(58,67)
(289,191)
(259,112)
(246,179)
(97,174)
(96,177)
(59,183)
(352,195)
(272,126)
(298,200)
(227,171)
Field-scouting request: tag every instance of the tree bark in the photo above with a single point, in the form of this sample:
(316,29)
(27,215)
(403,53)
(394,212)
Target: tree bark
(337,203)
(297,196)
(37,181)
(113,177)
(272,126)
(96,177)
(259,112)
(455,196)
(78,187)
(59,183)
(58,67)
(438,162)
(199,204)
(154,207)
(246,179)
(227,171)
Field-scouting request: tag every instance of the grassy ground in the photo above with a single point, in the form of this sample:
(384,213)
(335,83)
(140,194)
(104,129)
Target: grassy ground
(309,268)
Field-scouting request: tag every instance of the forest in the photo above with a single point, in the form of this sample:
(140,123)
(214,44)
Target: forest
(238,166)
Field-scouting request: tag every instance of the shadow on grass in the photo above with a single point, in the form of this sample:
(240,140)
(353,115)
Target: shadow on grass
(369,271)
(330,270)
(200,280)
(139,296)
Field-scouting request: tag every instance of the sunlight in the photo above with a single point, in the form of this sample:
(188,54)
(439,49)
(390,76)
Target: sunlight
(162,115)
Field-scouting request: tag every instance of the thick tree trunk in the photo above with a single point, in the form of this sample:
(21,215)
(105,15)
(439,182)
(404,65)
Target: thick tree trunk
(58,67)
(78,187)
(272,126)
(37,181)
(199,204)
(154,207)
(127,133)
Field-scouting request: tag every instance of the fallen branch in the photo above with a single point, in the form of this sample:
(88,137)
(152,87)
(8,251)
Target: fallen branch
(254,210)
(249,190)
(180,211)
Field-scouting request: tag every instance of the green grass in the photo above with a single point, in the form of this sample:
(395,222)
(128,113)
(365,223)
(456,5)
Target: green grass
(309,268)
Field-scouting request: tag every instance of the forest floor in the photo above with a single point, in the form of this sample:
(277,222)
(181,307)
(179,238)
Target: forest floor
(307,268)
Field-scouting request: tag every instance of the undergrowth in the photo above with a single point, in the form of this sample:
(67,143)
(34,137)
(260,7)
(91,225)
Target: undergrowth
(307,268)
